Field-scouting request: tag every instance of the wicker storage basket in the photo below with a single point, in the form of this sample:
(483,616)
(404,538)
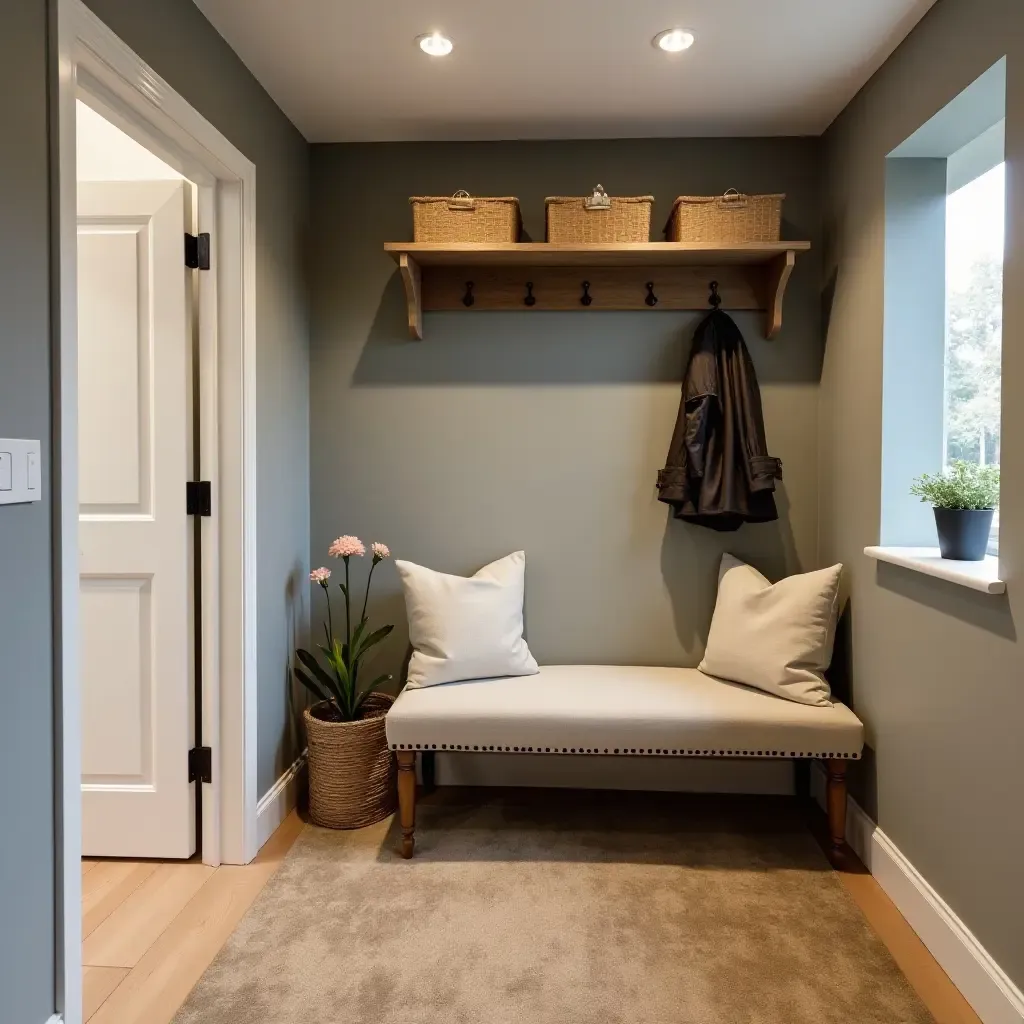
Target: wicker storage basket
(463,218)
(598,218)
(730,219)
(352,773)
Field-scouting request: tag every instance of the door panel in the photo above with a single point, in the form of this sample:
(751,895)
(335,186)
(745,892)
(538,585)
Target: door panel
(135,444)
(117,706)
(114,369)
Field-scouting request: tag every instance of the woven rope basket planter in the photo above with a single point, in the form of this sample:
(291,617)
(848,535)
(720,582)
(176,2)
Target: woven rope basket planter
(352,774)
(598,218)
(731,219)
(465,218)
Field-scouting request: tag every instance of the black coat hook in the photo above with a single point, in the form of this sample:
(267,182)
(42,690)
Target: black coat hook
(652,299)
(586,300)
(530,299)
(714,299)
(468,299)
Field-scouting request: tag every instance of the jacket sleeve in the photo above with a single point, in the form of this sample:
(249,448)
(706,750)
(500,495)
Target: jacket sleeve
(698,416)
(687,456)
(700,397)
(762,469)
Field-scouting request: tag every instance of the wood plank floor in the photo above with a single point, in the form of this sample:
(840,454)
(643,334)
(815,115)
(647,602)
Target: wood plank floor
(921,969)
(150,928)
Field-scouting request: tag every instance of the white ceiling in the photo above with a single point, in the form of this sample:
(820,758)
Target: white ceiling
(344,70)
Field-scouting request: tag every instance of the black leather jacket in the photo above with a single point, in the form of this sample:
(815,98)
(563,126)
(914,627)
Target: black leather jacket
(719,473)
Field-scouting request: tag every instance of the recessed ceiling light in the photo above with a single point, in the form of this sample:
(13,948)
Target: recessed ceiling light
(673,40)
(435,44)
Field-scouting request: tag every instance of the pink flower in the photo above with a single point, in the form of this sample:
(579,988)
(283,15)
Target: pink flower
(380,551)
(320,576)
(346,546)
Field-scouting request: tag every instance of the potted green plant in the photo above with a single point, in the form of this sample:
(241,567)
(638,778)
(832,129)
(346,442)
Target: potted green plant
(964,498)
(352,775)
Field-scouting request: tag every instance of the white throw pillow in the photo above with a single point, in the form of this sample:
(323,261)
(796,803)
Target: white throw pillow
(777,637)
(466,628)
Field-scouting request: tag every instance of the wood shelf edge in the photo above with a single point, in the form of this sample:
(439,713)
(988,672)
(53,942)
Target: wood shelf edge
(412,279)
(526,250)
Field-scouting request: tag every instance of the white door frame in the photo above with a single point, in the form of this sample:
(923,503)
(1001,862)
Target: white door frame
(95,65)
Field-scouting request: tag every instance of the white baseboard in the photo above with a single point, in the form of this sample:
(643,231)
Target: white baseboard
(55,1019)
(982,982)
(279,801)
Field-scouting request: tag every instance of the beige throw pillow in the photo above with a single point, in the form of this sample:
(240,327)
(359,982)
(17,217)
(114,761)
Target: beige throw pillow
(777,637)
(466,628)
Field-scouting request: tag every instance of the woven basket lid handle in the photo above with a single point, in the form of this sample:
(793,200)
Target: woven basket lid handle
(733,200)
(599,200)
(462,200)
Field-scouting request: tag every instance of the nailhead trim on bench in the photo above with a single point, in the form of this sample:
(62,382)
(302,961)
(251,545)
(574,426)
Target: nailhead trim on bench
(626,751)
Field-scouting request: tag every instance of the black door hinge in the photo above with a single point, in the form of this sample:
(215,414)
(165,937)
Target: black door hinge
(198,501)
(197,251)
(200,764)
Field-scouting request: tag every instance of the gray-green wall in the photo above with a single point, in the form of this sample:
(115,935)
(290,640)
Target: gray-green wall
(544,431)
(26,662)
(937,670)
(176,40)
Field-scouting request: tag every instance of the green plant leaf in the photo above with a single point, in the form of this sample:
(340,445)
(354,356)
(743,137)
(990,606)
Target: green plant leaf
(963,485)
(340,664)
(373,638)
(338,657)
(369,689)
(335,682)
(317,671)
(310,685)
(357,634)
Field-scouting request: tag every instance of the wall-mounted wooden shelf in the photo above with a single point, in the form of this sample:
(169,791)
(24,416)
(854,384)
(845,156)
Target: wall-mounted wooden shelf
(621,275)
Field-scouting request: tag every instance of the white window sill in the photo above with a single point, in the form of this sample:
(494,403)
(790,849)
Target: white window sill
(983,575)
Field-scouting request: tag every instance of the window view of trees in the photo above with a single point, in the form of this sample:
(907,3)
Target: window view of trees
(974,340)
(974,320)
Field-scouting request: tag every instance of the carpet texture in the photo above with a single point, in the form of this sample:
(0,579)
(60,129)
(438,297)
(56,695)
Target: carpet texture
(559,908)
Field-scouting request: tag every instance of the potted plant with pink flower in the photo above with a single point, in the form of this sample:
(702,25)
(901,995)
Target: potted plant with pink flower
(351,771)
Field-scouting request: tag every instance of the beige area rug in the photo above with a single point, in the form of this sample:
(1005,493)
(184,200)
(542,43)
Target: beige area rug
(559,907)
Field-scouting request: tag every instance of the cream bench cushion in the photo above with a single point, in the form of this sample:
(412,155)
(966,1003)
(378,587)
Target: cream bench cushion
(616,710)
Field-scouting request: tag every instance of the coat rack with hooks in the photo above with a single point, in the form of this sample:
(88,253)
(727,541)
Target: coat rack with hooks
(647,276)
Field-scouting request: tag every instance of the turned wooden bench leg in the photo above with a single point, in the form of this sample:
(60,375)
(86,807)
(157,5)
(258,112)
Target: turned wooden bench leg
(407,799)
(836,801)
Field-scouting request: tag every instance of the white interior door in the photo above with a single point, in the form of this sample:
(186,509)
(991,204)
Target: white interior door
(136,548)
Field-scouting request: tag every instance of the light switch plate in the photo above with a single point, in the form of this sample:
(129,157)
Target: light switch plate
(20,471)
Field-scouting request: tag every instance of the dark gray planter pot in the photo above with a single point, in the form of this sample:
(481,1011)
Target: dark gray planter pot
(963,532)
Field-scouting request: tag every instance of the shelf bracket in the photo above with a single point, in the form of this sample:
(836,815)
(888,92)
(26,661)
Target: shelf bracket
(776,277)
(412,280)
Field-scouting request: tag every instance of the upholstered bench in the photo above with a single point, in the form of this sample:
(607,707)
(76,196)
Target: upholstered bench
(618,712)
